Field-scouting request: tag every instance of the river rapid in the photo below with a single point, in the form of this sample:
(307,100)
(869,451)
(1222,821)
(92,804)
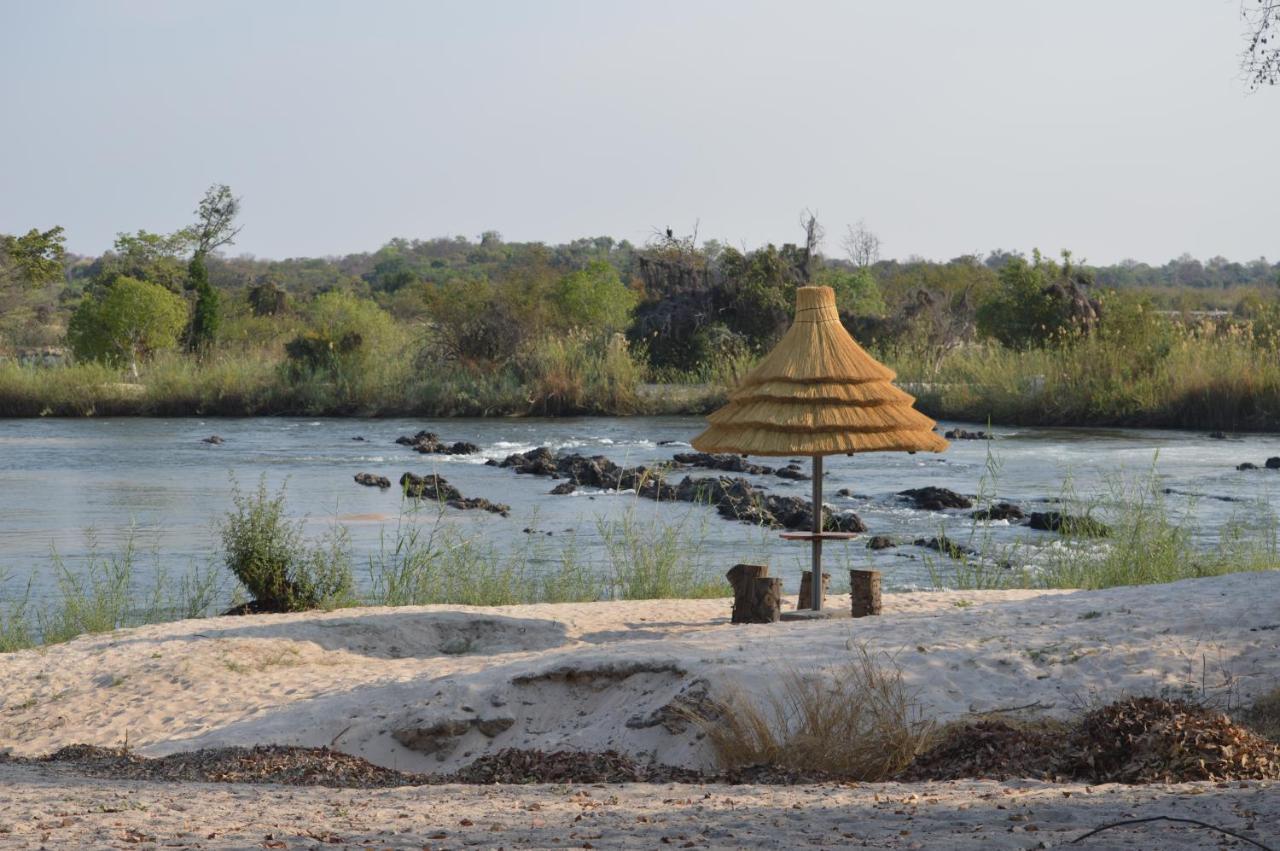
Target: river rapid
(68,485)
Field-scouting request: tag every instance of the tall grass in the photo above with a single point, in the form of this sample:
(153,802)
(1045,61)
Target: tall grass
(578,374)
(1197,379)
(102,594)
(1149,542)
(574,374)
(435,563)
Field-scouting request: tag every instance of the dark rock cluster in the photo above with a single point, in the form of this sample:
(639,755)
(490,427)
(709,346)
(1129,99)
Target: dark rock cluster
(733,498)
(429,443)
(965,434)
(438,489)
(1271,464)
(730,463)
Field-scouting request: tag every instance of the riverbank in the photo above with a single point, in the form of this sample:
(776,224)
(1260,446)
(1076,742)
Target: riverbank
(432,689)
(1186,379)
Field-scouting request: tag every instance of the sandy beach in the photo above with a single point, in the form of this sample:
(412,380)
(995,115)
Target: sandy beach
(430,689)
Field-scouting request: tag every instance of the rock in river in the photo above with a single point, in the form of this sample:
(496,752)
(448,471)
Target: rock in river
(371,481)
(1068,524)
(936,499)
(428,443)
(436,488)
(999,511)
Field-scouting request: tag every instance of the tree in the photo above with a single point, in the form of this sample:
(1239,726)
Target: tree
(215,219)
(345,333)
(34,259)
(1036,303)
(862,246)
(594,299)
(146,256)
(129,321)
(1261,60)
(204,319)
(857,293)
(215,227)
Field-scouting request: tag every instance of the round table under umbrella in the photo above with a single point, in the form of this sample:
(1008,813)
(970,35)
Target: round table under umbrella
(817,394)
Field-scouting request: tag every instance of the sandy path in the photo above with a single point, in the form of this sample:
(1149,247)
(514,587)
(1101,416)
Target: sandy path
(41,808)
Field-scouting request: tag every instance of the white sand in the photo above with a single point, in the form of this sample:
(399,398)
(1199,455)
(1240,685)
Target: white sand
(41,809)
(456,682)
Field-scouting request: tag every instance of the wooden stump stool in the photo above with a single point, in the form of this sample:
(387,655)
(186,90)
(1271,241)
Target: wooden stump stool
(756,597)
(806,589)
(864,591)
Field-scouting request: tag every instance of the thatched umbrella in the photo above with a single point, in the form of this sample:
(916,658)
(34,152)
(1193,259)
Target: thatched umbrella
(818,393)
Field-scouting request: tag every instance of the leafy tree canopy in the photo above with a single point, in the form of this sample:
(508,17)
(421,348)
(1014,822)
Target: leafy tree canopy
(33,259)
(129,321)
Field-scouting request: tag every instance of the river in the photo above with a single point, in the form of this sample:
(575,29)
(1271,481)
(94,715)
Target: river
(66,482)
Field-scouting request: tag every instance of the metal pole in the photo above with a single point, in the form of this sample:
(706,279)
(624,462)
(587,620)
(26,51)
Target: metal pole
(815,584)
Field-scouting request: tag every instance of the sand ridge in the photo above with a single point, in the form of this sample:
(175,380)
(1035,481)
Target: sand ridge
(431,688)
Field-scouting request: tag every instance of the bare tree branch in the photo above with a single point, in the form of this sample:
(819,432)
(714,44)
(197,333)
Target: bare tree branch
(862,246)
(1261,58)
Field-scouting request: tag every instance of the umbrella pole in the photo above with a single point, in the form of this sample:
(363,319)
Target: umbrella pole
(815,577)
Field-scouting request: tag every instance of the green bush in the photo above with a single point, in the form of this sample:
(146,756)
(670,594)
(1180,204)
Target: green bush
(1030,307)
(594,300)
(267,553)
(129,321)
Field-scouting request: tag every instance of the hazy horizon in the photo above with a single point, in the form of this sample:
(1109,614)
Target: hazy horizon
(1116,130)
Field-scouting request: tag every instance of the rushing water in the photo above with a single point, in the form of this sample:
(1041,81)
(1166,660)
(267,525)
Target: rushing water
(61,478)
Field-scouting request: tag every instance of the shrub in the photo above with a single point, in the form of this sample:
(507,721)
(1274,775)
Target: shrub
(266,552)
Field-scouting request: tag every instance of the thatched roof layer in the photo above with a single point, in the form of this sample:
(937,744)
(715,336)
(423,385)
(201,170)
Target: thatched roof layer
(818,393)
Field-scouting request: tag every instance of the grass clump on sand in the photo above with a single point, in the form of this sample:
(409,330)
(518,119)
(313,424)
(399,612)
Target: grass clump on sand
(857,721)
(281,572)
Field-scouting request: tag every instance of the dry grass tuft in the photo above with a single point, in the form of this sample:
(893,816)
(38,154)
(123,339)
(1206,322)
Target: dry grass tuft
(1263,717)
(857,722)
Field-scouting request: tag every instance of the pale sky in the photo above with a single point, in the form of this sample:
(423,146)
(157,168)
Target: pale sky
(1116,128)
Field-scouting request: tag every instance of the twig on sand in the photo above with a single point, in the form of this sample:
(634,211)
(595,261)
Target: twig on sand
(1035,704)
(1195,822)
